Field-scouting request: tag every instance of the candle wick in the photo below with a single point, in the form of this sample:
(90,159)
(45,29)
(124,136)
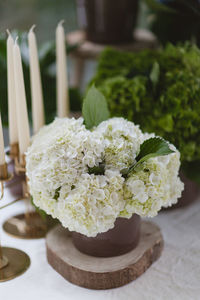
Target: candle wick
(16,40)
(32,28)
(61,22)
(8,31)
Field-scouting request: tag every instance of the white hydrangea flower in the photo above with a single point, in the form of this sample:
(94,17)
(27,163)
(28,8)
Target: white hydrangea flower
(155,184)
(58,163)
(93,205)
(122,142)
(60,152)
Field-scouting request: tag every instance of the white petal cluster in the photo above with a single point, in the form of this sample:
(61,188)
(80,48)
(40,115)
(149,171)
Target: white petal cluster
(153,185)
(122,141)
(58,163)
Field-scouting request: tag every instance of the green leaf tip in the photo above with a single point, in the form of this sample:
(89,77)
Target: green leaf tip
(152,147)
(95,108)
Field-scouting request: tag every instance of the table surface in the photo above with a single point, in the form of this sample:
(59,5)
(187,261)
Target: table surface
(176,275)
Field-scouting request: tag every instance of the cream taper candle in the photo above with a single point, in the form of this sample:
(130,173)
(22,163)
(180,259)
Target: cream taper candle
(2,151)
(36,85)
(12,116)
(61,69)
(22,115)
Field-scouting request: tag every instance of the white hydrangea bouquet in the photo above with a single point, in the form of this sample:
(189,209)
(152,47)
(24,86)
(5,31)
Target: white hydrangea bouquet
(90,171)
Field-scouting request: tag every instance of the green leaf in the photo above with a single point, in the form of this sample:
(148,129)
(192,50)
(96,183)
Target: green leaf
(95,109)
(155,73)
(152,147)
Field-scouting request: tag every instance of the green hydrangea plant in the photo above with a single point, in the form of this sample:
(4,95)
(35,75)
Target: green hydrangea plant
(160,90)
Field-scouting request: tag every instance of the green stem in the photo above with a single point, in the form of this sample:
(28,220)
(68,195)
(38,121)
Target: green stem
(13,202)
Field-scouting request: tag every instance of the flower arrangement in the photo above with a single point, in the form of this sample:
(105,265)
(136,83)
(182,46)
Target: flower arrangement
(90,171)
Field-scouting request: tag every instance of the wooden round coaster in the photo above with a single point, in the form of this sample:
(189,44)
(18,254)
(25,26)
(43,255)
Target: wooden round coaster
(102,273)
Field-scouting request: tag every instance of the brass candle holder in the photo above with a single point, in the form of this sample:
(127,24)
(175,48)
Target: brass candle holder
(14,151)
(29,225)
(14,185)
(4,177)
(13,262)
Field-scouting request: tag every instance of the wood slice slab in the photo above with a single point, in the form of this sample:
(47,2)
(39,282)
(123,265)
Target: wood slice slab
(102,273)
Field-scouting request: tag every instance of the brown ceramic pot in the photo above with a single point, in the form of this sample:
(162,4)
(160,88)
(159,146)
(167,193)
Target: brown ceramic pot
(108,21)
(117,241)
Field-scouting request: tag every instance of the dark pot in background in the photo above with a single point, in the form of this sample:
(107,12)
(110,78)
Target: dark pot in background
(175,28)
(190,193)
(117,241)
(175,21)
(108,21)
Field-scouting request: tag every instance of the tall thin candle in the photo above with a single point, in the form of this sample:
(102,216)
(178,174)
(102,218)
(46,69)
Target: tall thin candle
(36,85)
(61,68)
(22,115)
(2,152)
(12,117)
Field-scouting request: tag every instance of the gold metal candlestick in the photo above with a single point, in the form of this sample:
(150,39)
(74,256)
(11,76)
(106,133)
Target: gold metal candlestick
(14,150)
(29,225)
(17,262)
(3,178)
(14,185)
(13,262)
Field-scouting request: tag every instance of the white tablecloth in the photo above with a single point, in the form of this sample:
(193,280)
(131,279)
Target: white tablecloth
(176,275)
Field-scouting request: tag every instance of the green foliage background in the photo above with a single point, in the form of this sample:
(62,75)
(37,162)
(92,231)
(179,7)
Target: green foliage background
(160,90)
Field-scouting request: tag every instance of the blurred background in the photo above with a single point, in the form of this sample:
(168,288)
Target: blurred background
(170,20)
(21,14)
